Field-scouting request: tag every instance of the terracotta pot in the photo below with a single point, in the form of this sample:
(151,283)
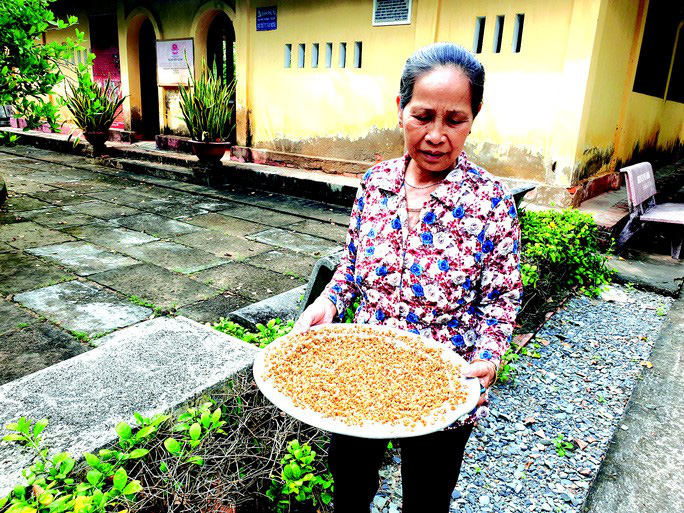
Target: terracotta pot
(97,140)
(210,152)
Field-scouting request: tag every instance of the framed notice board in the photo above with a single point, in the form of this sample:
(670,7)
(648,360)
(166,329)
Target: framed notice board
(391,12)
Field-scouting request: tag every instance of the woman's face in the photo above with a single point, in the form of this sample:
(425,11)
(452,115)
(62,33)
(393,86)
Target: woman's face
(438,118)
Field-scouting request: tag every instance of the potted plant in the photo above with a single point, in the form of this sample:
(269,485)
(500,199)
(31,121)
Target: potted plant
(94,107)
(207,108)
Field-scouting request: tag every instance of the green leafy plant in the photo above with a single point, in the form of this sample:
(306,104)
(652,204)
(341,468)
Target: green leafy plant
(302,479)
(93,105)
(51,485)
(30,68)
(350,313)
(136,300)
(207,105)
(8,139)
(507,368)
(559,252)
(193,427)
(266,333)
(562,446)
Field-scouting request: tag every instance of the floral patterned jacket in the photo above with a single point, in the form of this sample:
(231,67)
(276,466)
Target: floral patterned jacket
(455,277)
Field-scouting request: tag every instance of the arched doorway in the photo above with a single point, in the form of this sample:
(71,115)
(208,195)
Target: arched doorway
(220,52)
(220,45)
(149,92)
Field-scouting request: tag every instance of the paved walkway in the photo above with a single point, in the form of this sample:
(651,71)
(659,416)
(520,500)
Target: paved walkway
(86,250)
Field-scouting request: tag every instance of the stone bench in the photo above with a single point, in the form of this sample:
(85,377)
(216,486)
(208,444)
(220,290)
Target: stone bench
(324,269)
(641,191)
(153,367)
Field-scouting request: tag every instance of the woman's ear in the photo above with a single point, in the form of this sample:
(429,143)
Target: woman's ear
(400,111)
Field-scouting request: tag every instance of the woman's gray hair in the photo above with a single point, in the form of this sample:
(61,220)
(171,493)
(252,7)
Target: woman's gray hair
(438,55)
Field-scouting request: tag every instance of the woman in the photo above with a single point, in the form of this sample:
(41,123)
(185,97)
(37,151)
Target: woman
(432,248)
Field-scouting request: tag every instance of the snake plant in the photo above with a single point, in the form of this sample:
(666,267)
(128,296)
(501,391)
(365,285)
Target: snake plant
(207,106)
(94,106)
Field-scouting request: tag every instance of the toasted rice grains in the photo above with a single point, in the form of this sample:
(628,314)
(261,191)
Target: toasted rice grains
(357,374)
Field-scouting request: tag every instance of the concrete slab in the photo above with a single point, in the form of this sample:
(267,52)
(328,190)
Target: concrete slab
(247,281)
(172,209)
(174,257)
(260,215)
(285,262)
(19,203)
(82,257)
(150,368)
(110,236)
(285,306)
(30,235)
(156,225)
(211,310)
(20,272)
(102,209)
(22,185)
(61,197)
(642,470)
(297,242)
(213,205)
(136,197)
(12,317)
(30,349)
(58,218)
(162,287)
(659,273)
(331,231)
(226,224)
(227,246)
(85,307)
(7,217)
(304,207)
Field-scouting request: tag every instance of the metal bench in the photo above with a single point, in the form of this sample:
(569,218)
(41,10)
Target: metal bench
(324,269)
(641,191)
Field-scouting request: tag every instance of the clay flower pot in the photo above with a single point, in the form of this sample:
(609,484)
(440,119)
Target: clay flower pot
(97,140)
(209,152)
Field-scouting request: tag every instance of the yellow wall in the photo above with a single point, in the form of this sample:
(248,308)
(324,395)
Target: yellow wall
(319,110)
(554,113)
(618,122)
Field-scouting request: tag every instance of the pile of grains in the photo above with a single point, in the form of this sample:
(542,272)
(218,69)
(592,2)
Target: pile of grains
(359,374)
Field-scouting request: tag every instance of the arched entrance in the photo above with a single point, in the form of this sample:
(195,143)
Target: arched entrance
(149,92)
(220,46)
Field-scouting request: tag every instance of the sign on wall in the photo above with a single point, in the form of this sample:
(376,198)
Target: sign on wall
(391,12)
(173,58)
(266,18)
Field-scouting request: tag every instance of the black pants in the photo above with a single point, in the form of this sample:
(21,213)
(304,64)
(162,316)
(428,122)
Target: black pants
(430,465)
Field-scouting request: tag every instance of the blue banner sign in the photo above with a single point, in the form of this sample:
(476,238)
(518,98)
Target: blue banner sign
(266,18)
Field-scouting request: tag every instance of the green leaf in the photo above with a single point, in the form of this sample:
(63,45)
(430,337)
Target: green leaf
(92,460)
(145,432)
(138,453)
(216,416)
(120,478)
(132,487)
(196,460)
(39,427)
(195,431)
(172,445)
(124,431)
(93,477)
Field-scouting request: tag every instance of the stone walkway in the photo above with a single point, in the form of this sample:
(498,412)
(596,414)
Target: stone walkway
(86,250)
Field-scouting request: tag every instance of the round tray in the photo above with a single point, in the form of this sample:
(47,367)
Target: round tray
(435,422)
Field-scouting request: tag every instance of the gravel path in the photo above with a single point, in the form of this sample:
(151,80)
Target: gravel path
(590,356)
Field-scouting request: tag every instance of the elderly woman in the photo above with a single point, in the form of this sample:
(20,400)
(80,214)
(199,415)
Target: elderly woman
(432,248)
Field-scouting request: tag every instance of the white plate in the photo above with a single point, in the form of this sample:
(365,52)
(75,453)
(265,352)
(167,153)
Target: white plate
(435,422)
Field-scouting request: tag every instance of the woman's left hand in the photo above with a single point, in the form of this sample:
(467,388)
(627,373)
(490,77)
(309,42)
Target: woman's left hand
(484,371)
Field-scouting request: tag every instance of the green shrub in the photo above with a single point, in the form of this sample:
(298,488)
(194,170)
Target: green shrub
(560,252)
(266,334)
(303,479)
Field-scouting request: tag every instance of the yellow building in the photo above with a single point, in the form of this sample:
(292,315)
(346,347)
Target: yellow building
(574,89)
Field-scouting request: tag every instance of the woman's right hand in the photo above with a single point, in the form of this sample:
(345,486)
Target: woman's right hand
(321,311)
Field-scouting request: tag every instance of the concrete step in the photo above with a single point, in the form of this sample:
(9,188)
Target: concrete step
(153,367)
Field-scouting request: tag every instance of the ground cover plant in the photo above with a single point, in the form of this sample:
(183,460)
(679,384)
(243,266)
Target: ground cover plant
(234,449)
